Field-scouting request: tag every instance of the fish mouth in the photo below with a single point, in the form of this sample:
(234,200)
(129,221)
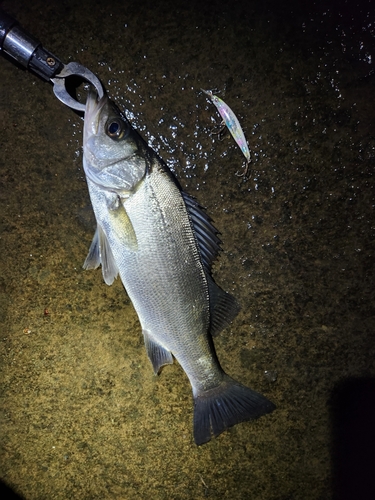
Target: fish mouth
(92,114)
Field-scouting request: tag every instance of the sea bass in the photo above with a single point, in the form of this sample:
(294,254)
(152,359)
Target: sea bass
(162,244)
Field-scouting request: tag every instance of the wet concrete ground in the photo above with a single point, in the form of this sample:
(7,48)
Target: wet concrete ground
(82,416)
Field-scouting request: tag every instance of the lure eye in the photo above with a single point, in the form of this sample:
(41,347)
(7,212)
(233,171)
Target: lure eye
(116,129)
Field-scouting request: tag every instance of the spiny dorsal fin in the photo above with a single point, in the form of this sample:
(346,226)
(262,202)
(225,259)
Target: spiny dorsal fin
(206,234)
(223,306)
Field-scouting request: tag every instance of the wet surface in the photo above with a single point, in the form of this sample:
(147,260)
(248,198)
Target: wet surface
(82,415)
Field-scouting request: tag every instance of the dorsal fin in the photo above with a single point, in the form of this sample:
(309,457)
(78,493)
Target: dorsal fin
(205,232)
(223,307)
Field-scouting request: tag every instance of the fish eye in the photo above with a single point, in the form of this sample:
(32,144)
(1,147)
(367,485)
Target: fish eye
(115,129)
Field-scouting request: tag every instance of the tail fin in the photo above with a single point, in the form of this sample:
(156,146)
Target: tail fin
(227,404)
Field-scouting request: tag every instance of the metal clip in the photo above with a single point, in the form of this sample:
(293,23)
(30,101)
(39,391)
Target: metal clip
(29,53)
(74,69)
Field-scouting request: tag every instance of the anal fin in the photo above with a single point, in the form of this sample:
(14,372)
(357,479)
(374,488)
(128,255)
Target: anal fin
(158,355)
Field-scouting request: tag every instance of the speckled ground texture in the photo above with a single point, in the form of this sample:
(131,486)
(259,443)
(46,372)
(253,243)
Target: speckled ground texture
(82,415)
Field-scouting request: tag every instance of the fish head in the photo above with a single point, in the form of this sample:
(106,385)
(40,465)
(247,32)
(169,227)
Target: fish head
(112,151)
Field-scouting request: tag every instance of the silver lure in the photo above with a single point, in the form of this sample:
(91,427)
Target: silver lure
(234,127)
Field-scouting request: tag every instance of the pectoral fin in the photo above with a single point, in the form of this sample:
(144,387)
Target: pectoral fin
(122,227)
(101,253)
(158,355)
(119,229)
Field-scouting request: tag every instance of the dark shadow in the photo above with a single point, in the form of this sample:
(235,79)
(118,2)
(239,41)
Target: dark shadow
(353,439)
(6,493)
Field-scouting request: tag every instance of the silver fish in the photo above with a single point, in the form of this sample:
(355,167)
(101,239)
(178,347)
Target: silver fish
(162,244)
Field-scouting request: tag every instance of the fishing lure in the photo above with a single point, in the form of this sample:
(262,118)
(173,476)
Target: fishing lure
(234,127)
